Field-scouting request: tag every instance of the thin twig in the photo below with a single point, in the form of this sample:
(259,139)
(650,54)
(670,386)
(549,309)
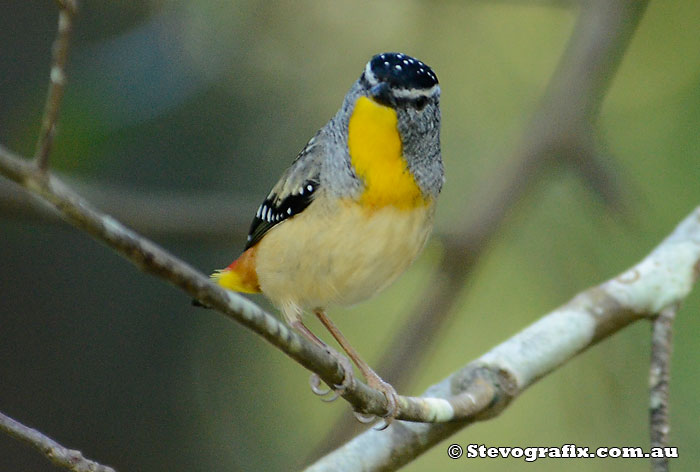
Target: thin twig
(57,82)
(60,455)
(659,378)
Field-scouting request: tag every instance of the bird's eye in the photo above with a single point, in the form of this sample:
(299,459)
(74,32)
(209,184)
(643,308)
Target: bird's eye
(421,102)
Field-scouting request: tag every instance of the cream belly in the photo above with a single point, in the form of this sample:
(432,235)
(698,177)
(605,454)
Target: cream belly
(338,255)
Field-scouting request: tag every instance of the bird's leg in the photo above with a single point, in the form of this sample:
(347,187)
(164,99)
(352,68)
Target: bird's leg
(373,380)
(315,380)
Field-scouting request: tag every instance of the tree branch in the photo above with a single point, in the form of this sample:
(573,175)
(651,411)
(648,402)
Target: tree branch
(57,82)
(60,455)
(659,379)
(663,279)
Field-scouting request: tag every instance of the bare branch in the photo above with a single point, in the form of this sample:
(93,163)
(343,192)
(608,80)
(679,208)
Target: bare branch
(57,82)
(60,455)
(663,279)
(659,379)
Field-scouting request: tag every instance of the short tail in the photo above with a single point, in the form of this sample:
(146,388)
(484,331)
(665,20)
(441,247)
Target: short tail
(239,276)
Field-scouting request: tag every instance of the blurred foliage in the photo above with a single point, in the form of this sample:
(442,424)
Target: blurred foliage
(212,95)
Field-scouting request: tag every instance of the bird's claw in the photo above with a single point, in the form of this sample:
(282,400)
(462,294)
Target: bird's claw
(392,404)
(363,418)
(316,388)
(337,389)
(391,400)
(315,384)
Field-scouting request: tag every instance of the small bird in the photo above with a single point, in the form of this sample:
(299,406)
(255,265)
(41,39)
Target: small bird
(354,209)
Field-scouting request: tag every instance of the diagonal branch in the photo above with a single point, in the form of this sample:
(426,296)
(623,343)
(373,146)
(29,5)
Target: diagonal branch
(60,455)
(57,82)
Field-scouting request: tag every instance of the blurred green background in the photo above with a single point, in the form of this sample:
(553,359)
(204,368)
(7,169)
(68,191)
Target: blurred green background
(211,97)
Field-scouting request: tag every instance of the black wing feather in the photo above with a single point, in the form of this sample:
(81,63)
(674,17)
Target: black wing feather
(275,210)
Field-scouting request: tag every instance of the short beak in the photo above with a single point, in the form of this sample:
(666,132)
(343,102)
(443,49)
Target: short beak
(380,93)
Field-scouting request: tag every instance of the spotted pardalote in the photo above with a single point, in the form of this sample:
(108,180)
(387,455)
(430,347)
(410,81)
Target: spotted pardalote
(356,206)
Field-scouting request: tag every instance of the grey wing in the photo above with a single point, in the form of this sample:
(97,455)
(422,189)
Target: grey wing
(292,194)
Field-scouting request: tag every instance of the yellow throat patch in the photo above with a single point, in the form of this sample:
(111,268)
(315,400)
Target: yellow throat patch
(376,154)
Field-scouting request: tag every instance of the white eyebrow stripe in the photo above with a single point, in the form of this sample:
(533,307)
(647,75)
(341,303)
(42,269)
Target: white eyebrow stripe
(415,93)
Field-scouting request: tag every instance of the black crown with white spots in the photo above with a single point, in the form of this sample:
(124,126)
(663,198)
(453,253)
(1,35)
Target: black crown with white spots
(401,71)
